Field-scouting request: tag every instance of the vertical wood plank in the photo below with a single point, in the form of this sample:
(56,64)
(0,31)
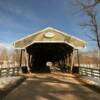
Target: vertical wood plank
(78,59)
(20,58)
(27,60)
(72,60)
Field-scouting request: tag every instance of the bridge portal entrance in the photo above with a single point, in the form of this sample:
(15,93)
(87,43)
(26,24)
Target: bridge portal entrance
(48,45)
(41,53)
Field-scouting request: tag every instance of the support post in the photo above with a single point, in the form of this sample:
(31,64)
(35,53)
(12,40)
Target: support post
(66,61)
(78,58)
(72,60)
(27,60)
(69,61)
(20,63)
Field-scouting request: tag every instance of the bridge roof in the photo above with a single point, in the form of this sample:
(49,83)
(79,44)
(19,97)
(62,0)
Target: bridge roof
(50,35)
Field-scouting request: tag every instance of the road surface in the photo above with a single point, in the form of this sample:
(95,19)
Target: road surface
(55,86)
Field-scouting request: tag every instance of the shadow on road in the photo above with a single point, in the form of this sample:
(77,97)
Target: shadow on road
(52,87)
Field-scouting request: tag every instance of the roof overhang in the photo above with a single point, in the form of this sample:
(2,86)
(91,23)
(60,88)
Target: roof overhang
(49,35)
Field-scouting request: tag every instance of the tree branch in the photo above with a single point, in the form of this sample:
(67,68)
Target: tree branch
(91,13)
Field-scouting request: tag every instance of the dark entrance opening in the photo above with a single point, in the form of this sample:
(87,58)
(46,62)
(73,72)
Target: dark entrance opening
(41,53)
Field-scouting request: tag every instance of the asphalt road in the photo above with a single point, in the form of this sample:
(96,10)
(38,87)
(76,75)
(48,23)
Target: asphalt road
(55,86)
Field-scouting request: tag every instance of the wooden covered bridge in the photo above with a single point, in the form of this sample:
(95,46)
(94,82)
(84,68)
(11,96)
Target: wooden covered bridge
(48,45)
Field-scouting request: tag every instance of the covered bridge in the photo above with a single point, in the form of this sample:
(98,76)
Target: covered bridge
(48,45)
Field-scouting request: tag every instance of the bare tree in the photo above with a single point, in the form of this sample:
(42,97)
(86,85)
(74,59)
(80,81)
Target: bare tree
(16,57)
(89,8)
(94,3)
(4,54)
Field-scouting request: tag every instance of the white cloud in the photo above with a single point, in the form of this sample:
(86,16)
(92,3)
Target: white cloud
(6,45)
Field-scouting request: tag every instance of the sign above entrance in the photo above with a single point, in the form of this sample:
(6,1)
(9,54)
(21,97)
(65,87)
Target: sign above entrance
(49,34)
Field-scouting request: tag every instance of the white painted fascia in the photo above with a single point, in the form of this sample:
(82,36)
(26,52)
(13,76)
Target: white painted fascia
(66,34)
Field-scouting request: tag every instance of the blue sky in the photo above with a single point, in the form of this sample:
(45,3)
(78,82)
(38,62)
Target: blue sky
(19,18)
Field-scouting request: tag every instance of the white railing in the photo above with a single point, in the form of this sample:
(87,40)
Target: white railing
(92,72)
(11,71)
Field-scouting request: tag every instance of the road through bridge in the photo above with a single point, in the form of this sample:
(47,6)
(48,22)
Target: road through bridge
(53,86)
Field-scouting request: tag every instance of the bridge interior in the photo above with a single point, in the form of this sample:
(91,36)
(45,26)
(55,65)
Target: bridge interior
(40,53)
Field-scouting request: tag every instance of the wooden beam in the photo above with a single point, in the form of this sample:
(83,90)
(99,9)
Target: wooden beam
(20,62)
(78,59)
(27,60)
(69,59)
(66,60)
(72,60)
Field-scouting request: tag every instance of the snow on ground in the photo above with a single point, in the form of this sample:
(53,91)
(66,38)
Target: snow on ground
(6,81)
(92,80)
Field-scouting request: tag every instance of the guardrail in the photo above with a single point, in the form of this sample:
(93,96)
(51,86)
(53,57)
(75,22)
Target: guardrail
(89,72)
(11,71)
